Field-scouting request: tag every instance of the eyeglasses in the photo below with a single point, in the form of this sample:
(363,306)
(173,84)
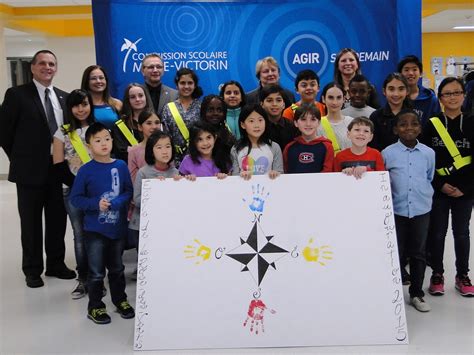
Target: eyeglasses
(450,94)
(154,66)
(97,78)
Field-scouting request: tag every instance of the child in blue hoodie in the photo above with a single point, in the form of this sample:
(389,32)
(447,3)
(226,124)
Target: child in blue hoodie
(425,103)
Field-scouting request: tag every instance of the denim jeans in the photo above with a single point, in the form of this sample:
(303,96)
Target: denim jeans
(461,210)
(411,238)
(76,217)
(104,253)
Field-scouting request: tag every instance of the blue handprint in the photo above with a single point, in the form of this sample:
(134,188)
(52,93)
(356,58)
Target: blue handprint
(258,199)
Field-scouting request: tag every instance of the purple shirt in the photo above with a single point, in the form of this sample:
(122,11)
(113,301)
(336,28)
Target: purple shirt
(205,168)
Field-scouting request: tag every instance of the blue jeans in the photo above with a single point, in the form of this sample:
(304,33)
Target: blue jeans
(104,253)
(461,210)
(411,238)
(76,217)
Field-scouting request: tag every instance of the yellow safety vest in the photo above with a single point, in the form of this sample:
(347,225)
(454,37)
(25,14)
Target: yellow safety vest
(78,145)
(330,134)
(180,123)
(126,132)
(459,160)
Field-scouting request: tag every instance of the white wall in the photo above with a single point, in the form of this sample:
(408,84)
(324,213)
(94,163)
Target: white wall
(74,55)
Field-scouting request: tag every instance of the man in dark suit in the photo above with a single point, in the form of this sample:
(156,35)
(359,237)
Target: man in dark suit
(153,70)
(29,117)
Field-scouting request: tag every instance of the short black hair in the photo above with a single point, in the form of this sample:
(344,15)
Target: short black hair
(410,59)
(306,108)
(306,74)
(93,129)
(406,111)
(271,89)
(359,78)
(206,101)
(150,144)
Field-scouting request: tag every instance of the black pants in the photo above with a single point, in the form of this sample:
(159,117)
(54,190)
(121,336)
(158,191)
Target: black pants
(32,201)
(411,238)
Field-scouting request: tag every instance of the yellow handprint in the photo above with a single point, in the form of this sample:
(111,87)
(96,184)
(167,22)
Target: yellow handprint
(314,254)
(199,251)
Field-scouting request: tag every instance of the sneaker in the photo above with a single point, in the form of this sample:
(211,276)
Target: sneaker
(80,290)
(436,285)
(406,279)
(126,311)
(98,315)
(464,286)
(420,304)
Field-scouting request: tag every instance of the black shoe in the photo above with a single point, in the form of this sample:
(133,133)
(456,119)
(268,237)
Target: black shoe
(34,281)
(61,273)
(98,316)
(125,310)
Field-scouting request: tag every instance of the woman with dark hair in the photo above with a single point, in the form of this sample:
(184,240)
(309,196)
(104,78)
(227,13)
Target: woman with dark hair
(234,97)
(346,66)
(178,115)
(105,107)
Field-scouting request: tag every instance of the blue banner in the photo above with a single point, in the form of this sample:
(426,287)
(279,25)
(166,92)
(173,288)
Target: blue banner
(222,40)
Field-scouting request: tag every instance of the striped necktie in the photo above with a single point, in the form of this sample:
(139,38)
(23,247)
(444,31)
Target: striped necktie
(53,126)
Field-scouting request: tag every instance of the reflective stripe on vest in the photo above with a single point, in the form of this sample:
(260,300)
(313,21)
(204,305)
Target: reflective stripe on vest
(77,144)
(126,132)
(330,134)
(459,161)
(180,123)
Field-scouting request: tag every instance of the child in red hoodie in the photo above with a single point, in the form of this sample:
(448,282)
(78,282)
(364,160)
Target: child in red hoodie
(308,153)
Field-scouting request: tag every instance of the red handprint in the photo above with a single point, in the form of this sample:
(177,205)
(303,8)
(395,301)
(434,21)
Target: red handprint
(255,314)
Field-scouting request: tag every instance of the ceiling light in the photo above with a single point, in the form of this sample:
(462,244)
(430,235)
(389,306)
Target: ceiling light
(463,28)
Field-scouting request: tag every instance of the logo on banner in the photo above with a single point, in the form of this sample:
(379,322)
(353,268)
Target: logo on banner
(306,51)
(128,46)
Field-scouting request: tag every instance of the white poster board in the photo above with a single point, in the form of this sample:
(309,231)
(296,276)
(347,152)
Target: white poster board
(302,260)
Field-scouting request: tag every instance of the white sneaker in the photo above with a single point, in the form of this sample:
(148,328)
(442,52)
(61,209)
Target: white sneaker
(420,304)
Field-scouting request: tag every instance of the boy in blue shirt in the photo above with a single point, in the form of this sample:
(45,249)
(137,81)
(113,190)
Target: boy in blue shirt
(102,189)
(411,166)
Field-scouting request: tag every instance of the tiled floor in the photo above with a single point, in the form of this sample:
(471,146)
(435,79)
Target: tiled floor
(47,320)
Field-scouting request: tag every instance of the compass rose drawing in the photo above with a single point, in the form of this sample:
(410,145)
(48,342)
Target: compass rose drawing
(257,253)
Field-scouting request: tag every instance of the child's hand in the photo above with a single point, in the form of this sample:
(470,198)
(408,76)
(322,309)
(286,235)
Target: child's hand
(246,175)
(161,178)
(104,204)
(447,189)
(221,176)
(273,174)
(456,192)
(177,177)
(190,177)
(348,171)
(358,171)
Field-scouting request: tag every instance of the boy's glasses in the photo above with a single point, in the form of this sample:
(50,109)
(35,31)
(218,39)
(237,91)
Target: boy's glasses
(450,94)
